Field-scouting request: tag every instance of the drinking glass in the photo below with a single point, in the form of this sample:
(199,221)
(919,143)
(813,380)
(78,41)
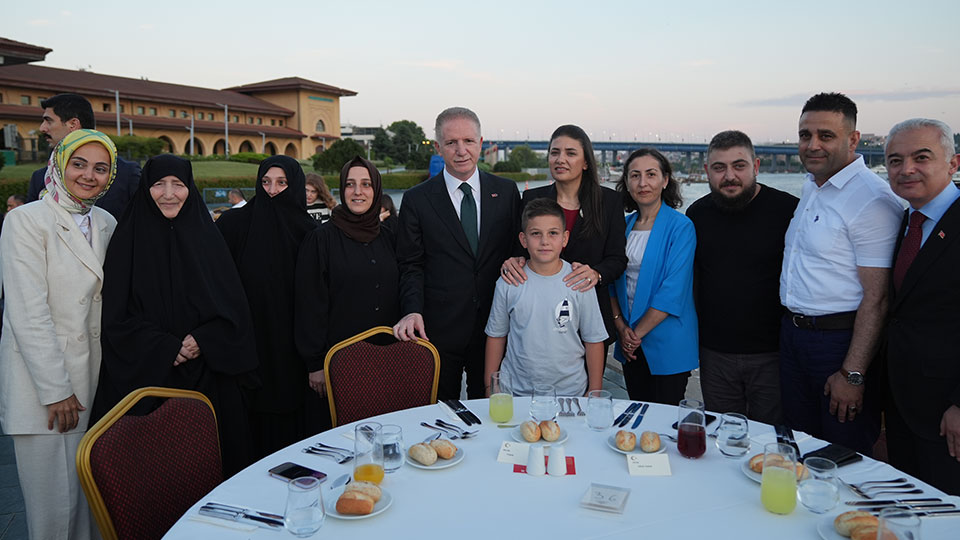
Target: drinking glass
(543,404)
(778,487)
(819,490)
(599,410)
(392,447)
(368,452)
(733,435)
(898,523)
(691,429)
(501,397)
(304,512)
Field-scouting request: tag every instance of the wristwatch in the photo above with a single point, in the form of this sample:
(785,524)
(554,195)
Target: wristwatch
(853,377)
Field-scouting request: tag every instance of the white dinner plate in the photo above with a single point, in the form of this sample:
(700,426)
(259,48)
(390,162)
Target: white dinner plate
(439,464)
(612,443)
(827,530)
(748,472)
(331,501)
(517,434)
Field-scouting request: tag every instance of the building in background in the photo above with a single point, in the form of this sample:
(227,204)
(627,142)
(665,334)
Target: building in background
(291,116)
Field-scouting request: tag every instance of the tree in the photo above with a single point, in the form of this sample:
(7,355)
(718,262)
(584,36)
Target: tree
(403,142)
(523,157)
(334,158)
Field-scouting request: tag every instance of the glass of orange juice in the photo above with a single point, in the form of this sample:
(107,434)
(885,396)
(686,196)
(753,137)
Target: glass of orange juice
(368,452)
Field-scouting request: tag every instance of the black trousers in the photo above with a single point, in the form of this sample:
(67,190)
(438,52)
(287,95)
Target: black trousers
(927,460)
(644,386)
(454,361)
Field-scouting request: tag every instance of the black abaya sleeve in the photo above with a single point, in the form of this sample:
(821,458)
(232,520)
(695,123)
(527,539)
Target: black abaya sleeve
(312,299)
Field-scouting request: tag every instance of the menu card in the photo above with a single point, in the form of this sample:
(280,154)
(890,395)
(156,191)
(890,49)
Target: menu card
(648,464)
(513,452)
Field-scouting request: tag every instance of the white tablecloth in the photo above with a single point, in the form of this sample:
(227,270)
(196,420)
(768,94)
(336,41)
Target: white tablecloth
(708,497)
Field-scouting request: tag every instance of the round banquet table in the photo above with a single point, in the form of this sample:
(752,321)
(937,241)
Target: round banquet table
(479,497)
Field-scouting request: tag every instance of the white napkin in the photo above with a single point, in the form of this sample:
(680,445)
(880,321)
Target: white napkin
(452,415)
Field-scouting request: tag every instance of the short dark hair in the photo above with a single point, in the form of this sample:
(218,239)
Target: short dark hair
(20,198)
(670,194)
(544,206)
(69,106)
(833,102)
(386,202)
(732,138)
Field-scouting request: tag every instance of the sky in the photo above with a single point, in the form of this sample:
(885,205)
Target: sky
(623,70)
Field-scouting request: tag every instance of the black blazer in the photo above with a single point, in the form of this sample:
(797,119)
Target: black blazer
(605,254)
(923,337)
(440,278)
(117,197)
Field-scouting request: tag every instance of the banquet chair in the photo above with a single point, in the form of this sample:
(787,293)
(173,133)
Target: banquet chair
(364,379)
(141,473)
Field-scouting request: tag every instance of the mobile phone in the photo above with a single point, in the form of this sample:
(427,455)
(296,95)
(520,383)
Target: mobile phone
(841,455)
(710,418)
(288,471)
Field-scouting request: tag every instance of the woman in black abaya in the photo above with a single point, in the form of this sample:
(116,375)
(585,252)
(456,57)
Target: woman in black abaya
(174,313)
(264,237)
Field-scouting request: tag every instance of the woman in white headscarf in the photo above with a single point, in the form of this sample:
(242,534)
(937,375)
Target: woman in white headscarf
(51,257)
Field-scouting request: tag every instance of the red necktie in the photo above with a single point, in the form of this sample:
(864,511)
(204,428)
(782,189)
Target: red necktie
(909,248)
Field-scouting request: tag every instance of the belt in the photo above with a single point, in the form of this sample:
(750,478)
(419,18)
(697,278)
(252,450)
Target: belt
(833,321)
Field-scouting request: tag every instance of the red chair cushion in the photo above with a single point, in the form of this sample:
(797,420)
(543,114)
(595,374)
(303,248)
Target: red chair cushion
(151,469)
(368,380)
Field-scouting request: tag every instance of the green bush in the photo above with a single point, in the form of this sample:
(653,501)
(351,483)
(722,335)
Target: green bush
(12,188)
(3,161)
(332,159)
(249,157)
(137,148)
(198,157)
(507,167)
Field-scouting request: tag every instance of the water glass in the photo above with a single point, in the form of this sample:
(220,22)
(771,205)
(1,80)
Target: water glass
(691,429)
(304,512)
(501,397)
(819,490)
(778,486)
(368,452)
(543,404)
(599,410)
(733,435)
(392,447)
(898,523)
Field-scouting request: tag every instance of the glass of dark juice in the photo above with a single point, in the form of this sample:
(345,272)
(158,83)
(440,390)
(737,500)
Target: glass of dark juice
(691,429)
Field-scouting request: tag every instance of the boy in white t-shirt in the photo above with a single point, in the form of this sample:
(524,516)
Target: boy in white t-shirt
(551,327)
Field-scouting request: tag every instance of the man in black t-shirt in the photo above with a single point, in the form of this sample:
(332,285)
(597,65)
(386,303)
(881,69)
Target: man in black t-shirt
(740,229)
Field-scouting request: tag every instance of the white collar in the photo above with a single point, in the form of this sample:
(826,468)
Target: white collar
(453,183)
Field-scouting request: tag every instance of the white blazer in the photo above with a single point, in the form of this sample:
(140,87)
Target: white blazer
(50,345)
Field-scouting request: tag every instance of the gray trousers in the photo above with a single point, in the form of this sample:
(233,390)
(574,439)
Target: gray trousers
(748,384)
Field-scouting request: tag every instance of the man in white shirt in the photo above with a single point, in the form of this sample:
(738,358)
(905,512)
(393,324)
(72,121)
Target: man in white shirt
(236,199)
(834,282)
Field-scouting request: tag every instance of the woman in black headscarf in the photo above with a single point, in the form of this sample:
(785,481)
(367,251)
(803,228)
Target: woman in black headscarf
(264,237)
(174,313)
(347,275)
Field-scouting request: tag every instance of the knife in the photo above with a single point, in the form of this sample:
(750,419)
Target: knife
(242,515)
(643,410)
(630,413)
(459,411)
(894,501)
(785,436)
(930,513)
(475,418)
(623,415)
(908,507)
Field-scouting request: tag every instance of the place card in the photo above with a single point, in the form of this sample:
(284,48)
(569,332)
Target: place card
(513,452)
(605,498)
(649,464)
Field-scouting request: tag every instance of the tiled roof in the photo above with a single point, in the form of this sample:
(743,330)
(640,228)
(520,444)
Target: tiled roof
(95,84)
(15,52)
(292,83)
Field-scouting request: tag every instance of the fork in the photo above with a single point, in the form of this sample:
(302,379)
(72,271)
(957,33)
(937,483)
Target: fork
(894,481)
(464,434)
(564,412)
(449,433)
(340,459)
(332,448)
(579,410)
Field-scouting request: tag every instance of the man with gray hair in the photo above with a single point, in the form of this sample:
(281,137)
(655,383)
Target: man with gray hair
(923,336)
(455,230)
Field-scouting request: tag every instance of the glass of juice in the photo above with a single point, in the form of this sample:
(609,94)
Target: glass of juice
(778,488)
(368,452)
(501,397)
(691,429)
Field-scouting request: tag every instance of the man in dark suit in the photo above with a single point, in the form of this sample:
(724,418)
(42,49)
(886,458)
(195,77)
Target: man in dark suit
(923,337)
(64,113)
(455,231)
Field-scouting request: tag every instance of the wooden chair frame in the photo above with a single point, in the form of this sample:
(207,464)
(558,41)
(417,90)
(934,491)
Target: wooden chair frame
(362,336)
(84,471)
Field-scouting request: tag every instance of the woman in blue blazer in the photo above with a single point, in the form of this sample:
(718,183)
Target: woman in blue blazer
(653,300)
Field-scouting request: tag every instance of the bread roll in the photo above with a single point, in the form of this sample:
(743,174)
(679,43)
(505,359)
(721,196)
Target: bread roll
(756,463)
(869,532)
(444,448)
(549,430)
(423,453)
(801,472)
(846,522)
(530,431)
(649,441)
(367,488)
(354,502)
(626,440)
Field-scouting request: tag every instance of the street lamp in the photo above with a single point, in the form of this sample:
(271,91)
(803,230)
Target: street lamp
(263,142)
(129,125)
(116,105)
(190,129)
(226,130)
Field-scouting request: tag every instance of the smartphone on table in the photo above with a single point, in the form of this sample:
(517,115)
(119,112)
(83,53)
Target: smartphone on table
(288,471)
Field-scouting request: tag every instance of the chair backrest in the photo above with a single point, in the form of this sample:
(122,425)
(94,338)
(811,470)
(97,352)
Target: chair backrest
(141,473)
(364,379)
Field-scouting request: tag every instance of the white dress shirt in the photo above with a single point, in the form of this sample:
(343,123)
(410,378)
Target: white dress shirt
(935,209)
(85,221)
(851,220)
(456,196)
